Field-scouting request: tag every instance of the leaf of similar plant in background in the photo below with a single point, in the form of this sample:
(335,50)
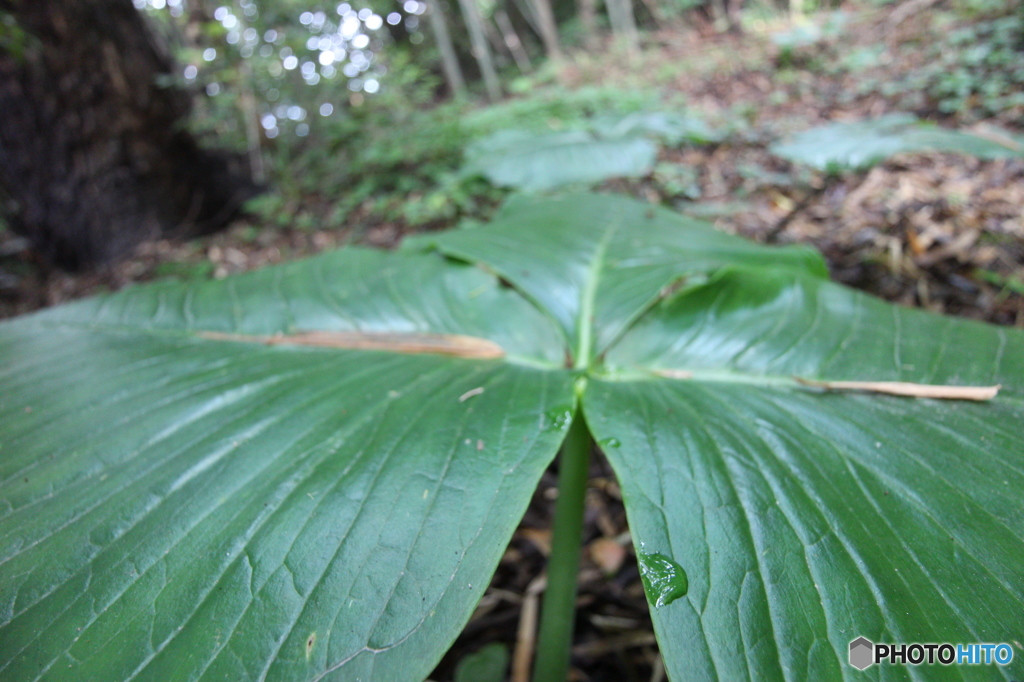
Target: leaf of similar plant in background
(672,129)
(805,520)
(608,146)
(536,162)
(800,35)
(857,146)
(489,664)
(180,507)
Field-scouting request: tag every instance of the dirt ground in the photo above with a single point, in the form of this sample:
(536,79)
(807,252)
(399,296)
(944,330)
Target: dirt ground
(938,231)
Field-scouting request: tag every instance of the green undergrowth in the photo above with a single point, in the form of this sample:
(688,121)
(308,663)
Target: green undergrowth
(975,71)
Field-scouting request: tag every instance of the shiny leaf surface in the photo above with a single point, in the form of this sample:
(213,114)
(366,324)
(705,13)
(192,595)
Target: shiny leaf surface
(176,507)
(189,493)
(805,519)
(594,263)
(536,162)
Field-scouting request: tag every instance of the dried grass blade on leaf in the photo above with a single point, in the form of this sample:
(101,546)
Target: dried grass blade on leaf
(457,345)
(910,390)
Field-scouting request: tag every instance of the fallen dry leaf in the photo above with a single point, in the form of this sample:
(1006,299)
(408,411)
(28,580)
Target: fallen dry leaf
(539,538)
(607,554)
(456,345)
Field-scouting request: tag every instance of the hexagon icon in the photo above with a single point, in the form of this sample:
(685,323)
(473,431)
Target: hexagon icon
(862,653)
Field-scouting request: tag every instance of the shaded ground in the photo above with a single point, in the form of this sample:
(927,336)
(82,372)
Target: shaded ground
(938,231)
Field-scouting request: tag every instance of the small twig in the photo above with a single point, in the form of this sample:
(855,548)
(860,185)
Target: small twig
(658,669)
(606,645)
(784,222)
(526,634)
(470,393)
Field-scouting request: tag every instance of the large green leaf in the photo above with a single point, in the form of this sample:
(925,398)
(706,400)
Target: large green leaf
(186,496)
(595,263)
(608,146)
(672,128)
(541,161)
(179,507)
(855,146)
(807,520)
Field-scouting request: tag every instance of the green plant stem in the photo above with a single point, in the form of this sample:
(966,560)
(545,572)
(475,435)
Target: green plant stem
(558,609)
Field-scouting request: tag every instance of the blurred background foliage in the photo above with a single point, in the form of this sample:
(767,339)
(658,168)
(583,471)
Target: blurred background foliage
(344,112)
(368,119)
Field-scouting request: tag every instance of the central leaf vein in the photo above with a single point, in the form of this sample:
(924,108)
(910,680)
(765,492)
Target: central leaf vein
(587,298)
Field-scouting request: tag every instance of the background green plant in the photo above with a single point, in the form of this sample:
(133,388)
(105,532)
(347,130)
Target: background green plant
(976,69)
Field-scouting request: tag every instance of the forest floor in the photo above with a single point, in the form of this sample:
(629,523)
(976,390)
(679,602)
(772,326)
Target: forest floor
(938,231)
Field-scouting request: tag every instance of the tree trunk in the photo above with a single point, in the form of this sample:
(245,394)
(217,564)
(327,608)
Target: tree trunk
(498,46)
(449,61)
(481,50)
(660,20)
(733,15)
(93,152)
(529,13)
(620,16)
(548,29)
(512,42)
(587,10)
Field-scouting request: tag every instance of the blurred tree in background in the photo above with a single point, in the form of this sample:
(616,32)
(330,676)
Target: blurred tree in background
(94,153)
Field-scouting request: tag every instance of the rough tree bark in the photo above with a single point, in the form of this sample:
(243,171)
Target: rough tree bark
(94,157)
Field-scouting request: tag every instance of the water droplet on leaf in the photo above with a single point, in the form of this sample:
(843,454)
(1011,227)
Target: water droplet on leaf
(609,443)
(664,580)
(557,418)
